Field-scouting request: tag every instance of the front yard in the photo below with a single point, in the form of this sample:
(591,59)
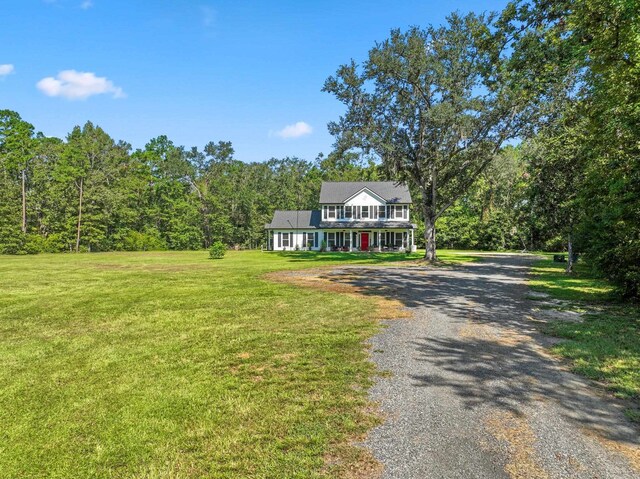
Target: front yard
(168,364)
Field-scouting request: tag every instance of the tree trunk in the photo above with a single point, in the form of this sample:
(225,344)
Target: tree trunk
(430,238)
(429,210)
(79,216)
(24,201)
(569,269)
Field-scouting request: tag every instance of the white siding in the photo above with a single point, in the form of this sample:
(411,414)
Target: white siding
(296,237)
(364,199)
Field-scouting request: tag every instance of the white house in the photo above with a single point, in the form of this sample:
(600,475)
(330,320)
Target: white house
(353,216)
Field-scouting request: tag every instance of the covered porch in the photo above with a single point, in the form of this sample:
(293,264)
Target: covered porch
(377,240)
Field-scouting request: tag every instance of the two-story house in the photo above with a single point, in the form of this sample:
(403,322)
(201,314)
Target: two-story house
(353,216)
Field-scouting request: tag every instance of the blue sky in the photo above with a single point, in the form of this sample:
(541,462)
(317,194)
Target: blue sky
(196,71)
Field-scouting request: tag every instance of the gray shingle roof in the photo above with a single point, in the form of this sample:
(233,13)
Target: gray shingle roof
(303,219)
(340,191)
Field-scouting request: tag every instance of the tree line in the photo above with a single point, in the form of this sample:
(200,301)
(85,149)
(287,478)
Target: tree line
(514,130)
(90,192)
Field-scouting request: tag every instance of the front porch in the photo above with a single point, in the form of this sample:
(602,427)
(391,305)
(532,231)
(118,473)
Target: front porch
(376,240)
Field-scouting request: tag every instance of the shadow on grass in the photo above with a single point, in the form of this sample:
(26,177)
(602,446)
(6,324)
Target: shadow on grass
(446,258)
(605,347)
(333,257)
(549,277)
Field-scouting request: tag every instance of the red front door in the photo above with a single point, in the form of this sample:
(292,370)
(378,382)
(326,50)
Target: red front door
(364,241)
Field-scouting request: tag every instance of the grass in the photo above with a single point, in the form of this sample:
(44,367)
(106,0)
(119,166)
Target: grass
(548,277)
(605,346)
(168,364)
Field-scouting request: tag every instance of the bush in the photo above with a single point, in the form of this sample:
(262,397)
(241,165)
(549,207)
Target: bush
(12,240)
(56,243)
(217,250)
(149,240)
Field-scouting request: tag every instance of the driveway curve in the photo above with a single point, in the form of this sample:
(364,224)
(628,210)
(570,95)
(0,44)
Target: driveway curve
(472,392)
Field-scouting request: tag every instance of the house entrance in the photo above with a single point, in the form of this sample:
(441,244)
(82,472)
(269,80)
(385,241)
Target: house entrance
(364,241)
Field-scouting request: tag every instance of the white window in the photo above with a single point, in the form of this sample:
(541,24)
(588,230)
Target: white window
(365,212)
(381,212)
(285,240)
(399,211)
(348,212)
(331,240)
(308,240)
(332,212)
(398,242)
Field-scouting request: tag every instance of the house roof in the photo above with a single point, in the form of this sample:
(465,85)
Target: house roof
(340,191)
(347,225)
(303,219)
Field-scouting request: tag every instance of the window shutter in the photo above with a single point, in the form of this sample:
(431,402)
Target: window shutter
(405,208)
(279,245)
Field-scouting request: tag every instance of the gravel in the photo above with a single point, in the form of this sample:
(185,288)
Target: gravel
(472,392)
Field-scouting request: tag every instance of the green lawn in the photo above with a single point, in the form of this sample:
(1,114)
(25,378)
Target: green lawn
(169,364)
(606,345)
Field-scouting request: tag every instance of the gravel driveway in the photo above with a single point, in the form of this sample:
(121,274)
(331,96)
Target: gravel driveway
(472,392)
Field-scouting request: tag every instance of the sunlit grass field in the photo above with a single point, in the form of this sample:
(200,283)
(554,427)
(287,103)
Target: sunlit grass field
(169,364)
(606,345)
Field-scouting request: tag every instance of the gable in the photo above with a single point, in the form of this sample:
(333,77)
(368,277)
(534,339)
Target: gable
(365,198)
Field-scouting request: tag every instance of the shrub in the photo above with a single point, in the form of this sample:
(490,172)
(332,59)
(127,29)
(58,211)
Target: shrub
(56,243)
(217,250)
(148,240)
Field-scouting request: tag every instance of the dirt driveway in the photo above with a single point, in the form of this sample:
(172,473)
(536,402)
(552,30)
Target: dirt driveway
(472,392)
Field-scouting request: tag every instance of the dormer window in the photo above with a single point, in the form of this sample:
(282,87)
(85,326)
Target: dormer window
(365,212)
(381,212)
(332,212)
(348,212)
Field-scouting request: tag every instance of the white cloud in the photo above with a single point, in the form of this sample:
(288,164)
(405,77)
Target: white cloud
(295,131)
(75,85)
(86,5)
(6,69)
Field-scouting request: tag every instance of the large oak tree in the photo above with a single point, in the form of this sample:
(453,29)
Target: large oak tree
(436,105)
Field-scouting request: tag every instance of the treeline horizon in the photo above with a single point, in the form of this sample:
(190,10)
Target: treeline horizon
(91,193)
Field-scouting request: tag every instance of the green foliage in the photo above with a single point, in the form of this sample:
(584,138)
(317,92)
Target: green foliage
(436,104)
(587,174)
(160,197)
(493,214)
(217,250)
(148,240)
